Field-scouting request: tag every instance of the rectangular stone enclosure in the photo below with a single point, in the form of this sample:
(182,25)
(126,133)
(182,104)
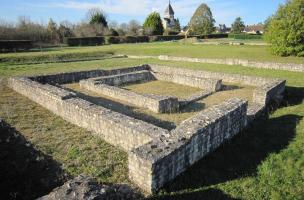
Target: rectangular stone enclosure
(156,155)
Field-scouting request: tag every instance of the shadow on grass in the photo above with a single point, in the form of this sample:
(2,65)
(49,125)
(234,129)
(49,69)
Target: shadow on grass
(25,172)
(193,107)
(293,96)
(226,87)
(241,156)
(124,109)
(209,194)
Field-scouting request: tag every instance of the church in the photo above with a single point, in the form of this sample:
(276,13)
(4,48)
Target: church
(169,21)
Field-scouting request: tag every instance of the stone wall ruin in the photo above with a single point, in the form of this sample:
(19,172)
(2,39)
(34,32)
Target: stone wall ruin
(156,155)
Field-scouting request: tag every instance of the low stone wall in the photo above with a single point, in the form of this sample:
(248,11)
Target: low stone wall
(266,88)
(242,62)
(192,81)
(254,111)
(156,163)
(268,91)
(72,77)
(229,61)
(225,77)
(113,127)
(84,187)
(120,79)
(155,103)
(193,98)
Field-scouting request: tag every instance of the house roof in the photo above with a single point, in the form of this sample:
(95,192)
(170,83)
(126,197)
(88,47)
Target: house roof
(169,10)
(257,27)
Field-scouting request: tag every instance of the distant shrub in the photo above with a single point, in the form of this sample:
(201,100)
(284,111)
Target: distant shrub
(142,39)
(15,45)
(112,40)
(211,36)
(170,32)
(244,36)
(93,41)
(165,38)
(84,41)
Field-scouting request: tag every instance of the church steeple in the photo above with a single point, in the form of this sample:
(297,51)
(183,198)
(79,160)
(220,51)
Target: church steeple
(169,13)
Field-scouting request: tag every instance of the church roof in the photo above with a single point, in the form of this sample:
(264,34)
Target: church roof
(169,10)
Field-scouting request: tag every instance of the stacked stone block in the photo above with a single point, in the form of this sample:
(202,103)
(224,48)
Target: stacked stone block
(127,78)
(156,163)
(192,81)
(155,103)
(242,62)
(113,127)
(106,86)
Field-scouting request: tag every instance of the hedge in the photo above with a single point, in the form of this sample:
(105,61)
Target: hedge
(84,41)
(93,41)
(15,45)
(212,36)
(244,36)
(156,38)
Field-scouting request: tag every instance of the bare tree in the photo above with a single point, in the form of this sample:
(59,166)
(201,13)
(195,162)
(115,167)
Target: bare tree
(113,24)
(133,27)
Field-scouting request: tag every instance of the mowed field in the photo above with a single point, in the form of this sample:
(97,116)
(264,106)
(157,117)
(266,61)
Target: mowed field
(257,53)
(264,162)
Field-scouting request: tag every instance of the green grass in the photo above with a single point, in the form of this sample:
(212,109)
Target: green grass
(165,120)
(162,88)
(259,53)
(293,78)
(264,162)
(227,40)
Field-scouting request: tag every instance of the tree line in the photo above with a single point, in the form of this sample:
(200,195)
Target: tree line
(284,30)
(95,24)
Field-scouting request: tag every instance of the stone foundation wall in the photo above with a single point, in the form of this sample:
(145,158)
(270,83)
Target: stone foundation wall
(113,127)
(72,77)
(192,81)
(242,62)
(225,77)
(155,103)
(156,163)
(120,79)
(266,89)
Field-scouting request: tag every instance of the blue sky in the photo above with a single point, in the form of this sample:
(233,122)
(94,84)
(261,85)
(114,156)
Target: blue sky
(224,11)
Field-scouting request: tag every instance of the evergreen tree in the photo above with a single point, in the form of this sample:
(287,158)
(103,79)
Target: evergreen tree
(285,30)
(238,25)
(202,21)
(153,25)
(97,16)
(177,27)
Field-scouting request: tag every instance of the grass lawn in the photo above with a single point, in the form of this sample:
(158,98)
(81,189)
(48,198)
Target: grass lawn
(165,120)
(258,53)
(163,88)
(264,162)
